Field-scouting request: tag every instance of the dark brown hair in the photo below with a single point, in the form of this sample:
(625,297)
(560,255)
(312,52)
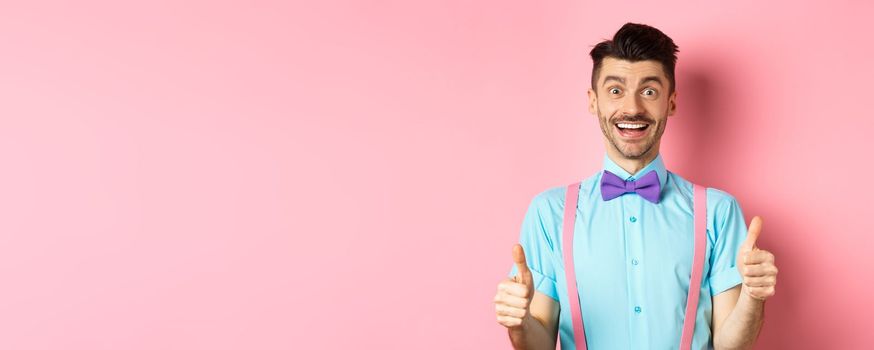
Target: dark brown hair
(637,42)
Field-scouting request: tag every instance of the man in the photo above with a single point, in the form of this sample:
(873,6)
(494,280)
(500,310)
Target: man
(634,252)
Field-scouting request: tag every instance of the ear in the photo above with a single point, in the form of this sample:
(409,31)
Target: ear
(672,103)
(593,102)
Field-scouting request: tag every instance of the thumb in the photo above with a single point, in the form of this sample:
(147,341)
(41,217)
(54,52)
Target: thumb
(524,275)
(752,234)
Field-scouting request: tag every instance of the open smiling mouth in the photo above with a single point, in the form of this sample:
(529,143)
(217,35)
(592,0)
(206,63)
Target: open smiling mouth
(632,130)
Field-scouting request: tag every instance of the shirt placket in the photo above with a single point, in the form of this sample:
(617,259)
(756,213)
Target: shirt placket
(633,230)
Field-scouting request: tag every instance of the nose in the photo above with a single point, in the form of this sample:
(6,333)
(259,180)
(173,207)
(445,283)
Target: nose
(631,105)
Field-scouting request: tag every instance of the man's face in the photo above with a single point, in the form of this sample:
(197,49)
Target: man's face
(632,103)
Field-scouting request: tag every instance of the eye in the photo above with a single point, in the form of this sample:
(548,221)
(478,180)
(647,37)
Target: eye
(649,92)
(614,91)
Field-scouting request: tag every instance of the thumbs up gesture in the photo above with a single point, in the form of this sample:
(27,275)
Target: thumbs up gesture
(515,294)
(756,266)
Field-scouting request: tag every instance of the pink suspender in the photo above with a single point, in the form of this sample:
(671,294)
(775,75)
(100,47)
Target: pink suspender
(700,217)
(570,215)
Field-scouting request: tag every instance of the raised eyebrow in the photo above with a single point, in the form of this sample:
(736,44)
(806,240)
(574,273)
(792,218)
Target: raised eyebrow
(613,77)
(642,81)
(651,78)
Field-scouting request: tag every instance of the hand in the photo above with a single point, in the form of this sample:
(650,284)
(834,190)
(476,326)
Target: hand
(515,294)
(756,266)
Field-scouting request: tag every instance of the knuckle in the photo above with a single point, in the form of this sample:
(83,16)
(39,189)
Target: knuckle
(499,298)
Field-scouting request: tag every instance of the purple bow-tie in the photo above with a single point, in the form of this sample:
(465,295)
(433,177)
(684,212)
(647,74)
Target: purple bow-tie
(647,186)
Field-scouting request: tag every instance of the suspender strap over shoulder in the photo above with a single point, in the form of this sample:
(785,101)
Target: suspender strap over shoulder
(700,217)
(700,240)
(570,214)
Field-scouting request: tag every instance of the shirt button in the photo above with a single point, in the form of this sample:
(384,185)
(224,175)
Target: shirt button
(637,309)
(633,261)
(632,219)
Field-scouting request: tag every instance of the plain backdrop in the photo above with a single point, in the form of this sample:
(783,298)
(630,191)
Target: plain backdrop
(353,174)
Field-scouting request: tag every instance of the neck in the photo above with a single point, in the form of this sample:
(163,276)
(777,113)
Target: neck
(632,165)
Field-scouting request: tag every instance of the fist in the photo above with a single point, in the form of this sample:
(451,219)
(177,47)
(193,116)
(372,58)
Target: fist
(756,266)
(514,294)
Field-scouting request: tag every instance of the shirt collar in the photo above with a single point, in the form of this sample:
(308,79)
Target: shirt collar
(656,164)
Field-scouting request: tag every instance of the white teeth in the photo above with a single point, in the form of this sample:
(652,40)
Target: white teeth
(630,126)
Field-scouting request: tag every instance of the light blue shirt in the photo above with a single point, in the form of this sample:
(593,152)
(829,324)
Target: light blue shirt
(633,259)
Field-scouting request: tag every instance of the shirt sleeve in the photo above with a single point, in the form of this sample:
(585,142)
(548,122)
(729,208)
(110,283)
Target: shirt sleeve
(730,231)
(539,248)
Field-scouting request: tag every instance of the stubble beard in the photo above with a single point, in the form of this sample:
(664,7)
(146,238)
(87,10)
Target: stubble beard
(607,130)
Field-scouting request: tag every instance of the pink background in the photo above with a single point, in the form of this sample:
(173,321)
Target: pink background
(339,174)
